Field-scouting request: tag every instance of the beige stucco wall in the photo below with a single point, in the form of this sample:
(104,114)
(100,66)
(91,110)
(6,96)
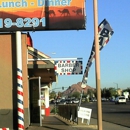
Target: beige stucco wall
(5,72)
(7,69)
(8,80)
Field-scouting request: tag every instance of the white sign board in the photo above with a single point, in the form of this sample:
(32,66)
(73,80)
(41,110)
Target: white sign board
(85,113)
(126,94)
(68,67)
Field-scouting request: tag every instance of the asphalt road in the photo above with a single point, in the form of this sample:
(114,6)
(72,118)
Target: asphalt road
(118,114)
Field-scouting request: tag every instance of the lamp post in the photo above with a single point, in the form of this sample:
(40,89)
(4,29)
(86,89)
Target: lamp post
(116,84)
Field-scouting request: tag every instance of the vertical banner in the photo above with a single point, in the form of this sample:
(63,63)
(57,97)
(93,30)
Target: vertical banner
(105,32)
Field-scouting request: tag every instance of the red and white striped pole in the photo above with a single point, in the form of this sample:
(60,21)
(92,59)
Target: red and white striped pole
(4,128)
(19,82)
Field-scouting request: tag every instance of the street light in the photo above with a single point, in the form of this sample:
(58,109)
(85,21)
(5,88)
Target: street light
(116,84)
(53,53)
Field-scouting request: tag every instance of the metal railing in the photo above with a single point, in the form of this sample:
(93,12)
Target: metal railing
(69,112)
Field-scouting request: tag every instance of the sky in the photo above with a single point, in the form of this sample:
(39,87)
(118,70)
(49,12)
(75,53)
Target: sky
(114,57)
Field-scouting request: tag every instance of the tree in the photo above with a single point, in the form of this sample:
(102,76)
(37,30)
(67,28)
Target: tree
(52,94)
(84,95)
(108,92)
(128,90)
(113,92)
(59,94)
(90,93)
(95,93)
(76,94)
(103,92)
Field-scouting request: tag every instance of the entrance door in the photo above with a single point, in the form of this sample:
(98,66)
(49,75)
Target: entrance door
(35,101)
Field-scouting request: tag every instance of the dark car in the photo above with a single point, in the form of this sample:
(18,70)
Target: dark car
(52,101)
(63,101)
(68,101)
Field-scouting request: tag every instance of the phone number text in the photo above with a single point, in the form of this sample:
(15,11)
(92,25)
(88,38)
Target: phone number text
(22,22)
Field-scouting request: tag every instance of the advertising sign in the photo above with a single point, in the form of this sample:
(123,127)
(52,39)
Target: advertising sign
(68,67)
(126,94)
(85,113)
(36,15)
(105,32)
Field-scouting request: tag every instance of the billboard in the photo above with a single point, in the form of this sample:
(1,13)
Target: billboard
(37,15)
(68,67)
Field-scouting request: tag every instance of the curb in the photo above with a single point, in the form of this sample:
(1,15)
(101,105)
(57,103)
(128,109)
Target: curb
(76,125)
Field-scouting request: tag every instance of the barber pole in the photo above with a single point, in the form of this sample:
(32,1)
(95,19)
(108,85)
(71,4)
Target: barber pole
(19,82)
(4,128)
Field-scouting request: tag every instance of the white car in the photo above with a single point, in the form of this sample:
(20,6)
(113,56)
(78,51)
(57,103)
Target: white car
(75,101)
(120,99)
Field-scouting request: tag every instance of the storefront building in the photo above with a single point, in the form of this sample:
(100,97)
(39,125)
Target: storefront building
(36,74)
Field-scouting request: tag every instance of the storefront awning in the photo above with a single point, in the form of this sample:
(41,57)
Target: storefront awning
(40,68)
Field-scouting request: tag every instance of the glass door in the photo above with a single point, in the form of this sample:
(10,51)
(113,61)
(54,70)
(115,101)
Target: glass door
(35,101)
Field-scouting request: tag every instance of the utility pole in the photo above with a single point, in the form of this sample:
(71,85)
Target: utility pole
(97,65)
(116,84)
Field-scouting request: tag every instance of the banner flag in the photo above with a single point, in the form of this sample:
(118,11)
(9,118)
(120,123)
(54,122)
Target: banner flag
(105,32)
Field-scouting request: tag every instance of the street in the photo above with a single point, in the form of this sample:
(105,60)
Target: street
(118,114)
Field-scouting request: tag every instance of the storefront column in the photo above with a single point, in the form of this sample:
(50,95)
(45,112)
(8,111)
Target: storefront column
(47,107)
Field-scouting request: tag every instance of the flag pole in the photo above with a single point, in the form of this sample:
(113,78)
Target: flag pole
(97,65)
(20,108)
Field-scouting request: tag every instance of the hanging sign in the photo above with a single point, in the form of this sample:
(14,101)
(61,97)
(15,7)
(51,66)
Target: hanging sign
(32,15)
(68,67)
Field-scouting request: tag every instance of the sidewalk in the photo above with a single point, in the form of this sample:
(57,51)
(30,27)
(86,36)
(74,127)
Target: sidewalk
(55,122)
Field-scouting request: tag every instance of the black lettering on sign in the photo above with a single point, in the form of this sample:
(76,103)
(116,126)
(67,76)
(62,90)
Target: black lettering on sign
(104,32)
(71,65)
(100,41)
(65,65)
(76,64)
(68,65)
(74,70)
(59,65)
(64,70)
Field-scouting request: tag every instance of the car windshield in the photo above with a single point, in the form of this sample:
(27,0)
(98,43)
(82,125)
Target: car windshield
(121,98)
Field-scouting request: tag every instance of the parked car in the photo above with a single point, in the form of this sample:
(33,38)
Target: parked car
(68,101)
(92,99)
(63,101)
(75,101)
(120,99)
(103,99)
(112,99)
(52,101)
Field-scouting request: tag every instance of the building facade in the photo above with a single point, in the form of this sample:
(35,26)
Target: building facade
(34,75)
